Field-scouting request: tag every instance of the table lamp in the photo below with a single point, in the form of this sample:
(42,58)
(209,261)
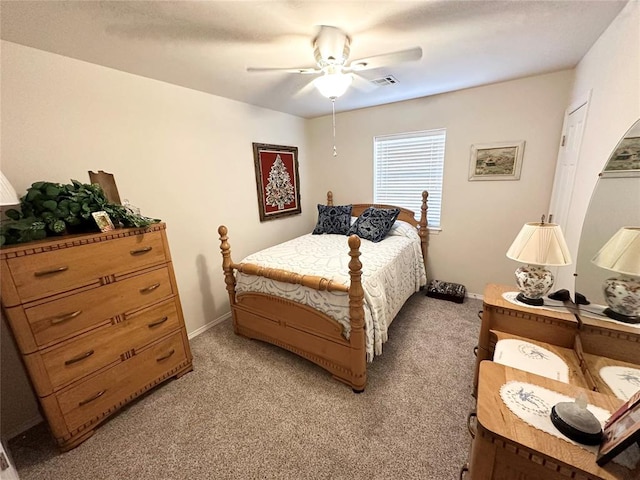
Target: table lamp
(8,195)
(621,254)
(538,245)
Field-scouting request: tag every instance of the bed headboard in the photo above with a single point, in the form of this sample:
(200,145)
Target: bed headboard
(406,215)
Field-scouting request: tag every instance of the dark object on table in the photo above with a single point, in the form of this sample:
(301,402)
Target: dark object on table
(576,422)
(454,292)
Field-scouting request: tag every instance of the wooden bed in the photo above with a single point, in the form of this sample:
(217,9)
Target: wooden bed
(301,329)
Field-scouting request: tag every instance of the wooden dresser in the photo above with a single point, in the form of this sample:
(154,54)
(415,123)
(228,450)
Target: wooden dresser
(97,320)
(505,447)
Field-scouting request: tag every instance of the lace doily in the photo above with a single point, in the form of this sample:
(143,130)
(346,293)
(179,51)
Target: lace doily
(533,403)
(623,381)
(531,358)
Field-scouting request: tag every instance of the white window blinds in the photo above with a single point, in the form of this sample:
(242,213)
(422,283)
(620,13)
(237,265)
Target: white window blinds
(406,164)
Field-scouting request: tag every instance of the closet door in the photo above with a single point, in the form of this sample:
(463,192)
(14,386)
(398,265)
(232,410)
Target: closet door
(567,166)
(563,185)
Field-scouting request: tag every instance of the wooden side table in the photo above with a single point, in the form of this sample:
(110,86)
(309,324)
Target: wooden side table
(506,448)
(555,328)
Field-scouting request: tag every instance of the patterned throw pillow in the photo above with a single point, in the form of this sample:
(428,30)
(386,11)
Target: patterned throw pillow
(333,219)
(374,223)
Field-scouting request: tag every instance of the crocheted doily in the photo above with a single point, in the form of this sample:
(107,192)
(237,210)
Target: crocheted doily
(623,381)
(533,403)
(531,358)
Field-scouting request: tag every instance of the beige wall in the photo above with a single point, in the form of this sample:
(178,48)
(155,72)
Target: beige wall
(180,155)
(480,219)
(611,72)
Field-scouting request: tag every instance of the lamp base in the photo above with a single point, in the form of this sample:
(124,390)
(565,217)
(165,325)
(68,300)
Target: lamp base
(621,317)
(534,282)
(622,295)
(536,302)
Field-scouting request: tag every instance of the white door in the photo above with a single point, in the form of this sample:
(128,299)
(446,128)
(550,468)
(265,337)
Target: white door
(563,182)
(567,165)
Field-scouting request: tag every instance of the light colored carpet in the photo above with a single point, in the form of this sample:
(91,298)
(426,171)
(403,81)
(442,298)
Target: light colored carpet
(251,410)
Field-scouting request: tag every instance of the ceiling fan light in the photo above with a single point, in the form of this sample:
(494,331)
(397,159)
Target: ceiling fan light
(333,85)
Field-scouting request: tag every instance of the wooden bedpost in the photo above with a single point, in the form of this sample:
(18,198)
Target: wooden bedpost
(356,314)
(330,198)
(423,232)
(229,277)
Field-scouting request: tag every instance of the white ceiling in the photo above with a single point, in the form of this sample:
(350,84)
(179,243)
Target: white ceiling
(207,45)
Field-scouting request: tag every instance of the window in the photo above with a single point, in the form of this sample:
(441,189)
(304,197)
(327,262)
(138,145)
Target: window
(406,164)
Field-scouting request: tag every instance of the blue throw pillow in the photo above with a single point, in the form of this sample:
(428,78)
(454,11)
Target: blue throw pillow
(374,223)
(333,219)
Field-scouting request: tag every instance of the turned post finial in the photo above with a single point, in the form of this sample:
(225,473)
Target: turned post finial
(330,198)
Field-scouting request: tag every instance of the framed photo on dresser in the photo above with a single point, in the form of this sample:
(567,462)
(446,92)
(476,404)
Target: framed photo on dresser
(621,430)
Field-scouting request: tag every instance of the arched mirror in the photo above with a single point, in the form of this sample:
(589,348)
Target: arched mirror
(615,203)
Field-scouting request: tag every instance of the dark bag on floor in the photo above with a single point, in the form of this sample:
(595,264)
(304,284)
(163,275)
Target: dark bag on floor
(453,292)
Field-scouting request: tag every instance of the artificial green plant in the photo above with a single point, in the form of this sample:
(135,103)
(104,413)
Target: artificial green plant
(53,208)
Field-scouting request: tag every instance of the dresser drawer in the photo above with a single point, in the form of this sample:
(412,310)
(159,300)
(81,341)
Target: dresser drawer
(88,353)
(46,273)
(71,315)
(89,399)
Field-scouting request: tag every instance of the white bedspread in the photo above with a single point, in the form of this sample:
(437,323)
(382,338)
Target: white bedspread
(392,270)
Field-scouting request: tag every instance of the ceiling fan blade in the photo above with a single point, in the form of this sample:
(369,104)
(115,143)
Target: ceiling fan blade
(304,90)
(302,70)
(377,61)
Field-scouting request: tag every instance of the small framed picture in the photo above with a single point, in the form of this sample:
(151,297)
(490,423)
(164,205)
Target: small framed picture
(621,430)
(103,221)
(496,161)
(625,160)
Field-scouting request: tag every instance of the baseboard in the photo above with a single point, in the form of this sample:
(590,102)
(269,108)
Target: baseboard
(209,325)
(6,436)
(477,296)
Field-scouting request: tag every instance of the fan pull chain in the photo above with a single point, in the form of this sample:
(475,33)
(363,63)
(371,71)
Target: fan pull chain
(333,116)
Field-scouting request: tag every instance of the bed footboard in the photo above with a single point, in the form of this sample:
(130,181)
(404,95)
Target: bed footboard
(299,328)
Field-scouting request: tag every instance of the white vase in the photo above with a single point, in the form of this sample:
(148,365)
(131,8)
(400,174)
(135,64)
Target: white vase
(622,294)
(534,282)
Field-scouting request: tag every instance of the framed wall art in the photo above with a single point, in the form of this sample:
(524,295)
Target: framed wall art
(496,161)
(625,160)
(277,180)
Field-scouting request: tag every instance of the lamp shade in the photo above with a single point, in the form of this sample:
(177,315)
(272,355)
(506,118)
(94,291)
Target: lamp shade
(8,195)
(332,85)
(540,244)
(621,253)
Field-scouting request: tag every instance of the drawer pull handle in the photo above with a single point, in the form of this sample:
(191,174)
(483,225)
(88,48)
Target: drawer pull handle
(164,357)
(50,272)
(475,350)
(140,251)
(150,288)
(158,322)
(91,399)
(82,356)
(65,317)
(472,431)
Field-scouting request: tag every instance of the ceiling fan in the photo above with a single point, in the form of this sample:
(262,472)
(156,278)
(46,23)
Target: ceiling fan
(331,48)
